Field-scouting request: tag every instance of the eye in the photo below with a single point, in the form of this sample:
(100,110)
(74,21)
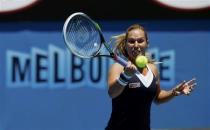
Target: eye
(131,40)
(140,40)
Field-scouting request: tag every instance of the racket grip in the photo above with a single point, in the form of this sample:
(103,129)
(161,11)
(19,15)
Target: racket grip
(120,60)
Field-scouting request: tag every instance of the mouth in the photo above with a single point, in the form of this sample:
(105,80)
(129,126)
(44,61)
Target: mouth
(136,52)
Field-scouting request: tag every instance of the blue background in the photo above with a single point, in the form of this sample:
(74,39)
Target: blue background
(88,107)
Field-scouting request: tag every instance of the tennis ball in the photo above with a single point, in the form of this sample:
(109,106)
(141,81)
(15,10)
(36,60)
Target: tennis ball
(141,61)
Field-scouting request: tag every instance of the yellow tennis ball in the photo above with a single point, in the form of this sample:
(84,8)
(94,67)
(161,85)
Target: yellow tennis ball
(141,61)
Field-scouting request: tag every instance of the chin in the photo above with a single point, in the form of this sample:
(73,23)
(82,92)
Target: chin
(139,54)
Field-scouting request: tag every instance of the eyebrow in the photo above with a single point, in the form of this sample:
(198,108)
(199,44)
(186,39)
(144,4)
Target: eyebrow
(136,38)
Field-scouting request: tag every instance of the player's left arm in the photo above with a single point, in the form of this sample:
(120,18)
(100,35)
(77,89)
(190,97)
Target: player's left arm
(185,87)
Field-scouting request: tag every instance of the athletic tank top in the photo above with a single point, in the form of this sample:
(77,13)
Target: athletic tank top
(131,109)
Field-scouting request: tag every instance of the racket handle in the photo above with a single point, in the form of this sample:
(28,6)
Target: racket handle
(120,60)
(123,62)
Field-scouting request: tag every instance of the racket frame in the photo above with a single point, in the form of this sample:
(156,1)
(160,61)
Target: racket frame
(111,53)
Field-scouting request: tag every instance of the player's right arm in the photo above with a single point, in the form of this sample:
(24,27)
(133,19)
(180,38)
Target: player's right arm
(114,88)
(117,78)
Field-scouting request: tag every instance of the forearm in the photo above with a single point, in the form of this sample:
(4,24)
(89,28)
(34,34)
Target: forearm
(164,96)
(118,84)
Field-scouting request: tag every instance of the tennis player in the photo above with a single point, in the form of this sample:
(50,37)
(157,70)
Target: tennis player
(133,93)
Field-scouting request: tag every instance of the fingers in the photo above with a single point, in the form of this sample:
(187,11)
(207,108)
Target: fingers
(192,81)
(189,86)
(130,68)
(187,93)
(186,87)
(180,86)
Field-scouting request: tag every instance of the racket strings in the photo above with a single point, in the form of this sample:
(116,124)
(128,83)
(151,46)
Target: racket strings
(82,36)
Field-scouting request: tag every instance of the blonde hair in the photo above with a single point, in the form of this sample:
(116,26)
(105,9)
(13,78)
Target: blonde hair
(121,40)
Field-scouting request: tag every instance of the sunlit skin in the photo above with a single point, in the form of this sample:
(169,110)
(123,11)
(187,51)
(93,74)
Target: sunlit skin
(136,44)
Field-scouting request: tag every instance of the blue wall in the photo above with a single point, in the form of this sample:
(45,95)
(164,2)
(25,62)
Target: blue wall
(77,102)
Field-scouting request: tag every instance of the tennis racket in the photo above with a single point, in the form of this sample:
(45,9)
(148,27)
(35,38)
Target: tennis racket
(84,38)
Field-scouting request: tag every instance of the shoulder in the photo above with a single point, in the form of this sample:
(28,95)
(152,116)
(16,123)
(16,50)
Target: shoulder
(154,69)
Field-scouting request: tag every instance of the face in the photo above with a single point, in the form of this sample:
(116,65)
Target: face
(136,43)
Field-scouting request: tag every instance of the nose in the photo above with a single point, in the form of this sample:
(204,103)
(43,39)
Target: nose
(136,44)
